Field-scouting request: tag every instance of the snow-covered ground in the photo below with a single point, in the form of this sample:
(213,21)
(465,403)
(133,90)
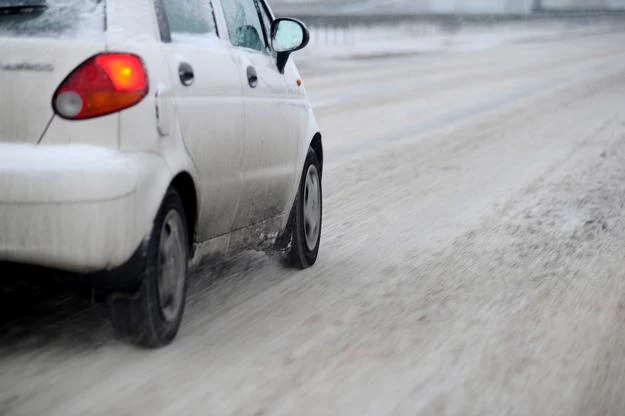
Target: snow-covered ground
(471,264)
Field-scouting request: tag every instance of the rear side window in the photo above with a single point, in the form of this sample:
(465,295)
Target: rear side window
(190,16)
(52,18)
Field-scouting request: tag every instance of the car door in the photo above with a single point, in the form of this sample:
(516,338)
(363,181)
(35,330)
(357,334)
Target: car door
(210,109)
(270,141)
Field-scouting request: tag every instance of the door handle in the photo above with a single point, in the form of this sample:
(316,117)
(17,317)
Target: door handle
(186,74)
(252,77)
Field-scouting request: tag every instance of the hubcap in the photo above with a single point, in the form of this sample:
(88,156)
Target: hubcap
(171,266)
(312,207)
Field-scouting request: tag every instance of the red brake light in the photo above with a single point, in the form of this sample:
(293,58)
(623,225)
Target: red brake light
(104,84)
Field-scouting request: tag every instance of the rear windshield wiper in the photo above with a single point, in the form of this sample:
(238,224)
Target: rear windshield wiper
(22,7)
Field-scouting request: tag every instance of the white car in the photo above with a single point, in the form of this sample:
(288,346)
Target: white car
(137,137)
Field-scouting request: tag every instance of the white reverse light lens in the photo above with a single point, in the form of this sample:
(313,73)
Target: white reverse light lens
(69,104)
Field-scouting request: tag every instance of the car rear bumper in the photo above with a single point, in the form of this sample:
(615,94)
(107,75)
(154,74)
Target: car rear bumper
(76,207)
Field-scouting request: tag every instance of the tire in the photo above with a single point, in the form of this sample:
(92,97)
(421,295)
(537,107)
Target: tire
(151,317)
(307,215)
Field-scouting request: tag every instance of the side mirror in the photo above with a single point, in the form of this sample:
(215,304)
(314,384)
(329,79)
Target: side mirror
(287,36)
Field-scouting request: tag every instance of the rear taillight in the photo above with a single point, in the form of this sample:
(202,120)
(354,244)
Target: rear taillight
(104,84)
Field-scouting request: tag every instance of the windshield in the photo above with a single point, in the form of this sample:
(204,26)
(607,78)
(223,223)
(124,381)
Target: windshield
(51,18)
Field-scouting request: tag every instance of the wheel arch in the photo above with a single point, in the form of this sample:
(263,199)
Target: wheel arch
(184,184)
(317,146)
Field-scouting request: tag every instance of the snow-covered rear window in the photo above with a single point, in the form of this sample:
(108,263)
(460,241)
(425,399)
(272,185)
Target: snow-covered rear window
(52,18)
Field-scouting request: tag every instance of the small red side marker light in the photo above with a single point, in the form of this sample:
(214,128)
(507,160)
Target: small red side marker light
(299,82)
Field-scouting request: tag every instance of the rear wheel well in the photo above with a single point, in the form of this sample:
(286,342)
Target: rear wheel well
(184,185)
(318,147)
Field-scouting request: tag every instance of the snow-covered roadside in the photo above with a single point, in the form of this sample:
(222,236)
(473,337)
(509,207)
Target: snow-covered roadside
(361,42)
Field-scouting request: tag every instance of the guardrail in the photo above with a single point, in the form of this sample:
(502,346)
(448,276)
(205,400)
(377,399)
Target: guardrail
(329,29)
(330,19)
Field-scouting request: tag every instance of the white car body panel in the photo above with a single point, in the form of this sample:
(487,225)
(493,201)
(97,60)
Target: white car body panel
(81,196)
(212,121)
(307,127)
(270,150)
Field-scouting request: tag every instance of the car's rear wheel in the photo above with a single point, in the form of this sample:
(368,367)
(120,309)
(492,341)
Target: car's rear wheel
(151,317)
(307,215)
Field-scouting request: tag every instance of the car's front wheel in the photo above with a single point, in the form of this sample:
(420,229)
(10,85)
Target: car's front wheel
(307,215)
(151,317)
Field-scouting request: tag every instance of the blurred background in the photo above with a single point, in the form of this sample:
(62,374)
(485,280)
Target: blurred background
(443,6)
(348,27)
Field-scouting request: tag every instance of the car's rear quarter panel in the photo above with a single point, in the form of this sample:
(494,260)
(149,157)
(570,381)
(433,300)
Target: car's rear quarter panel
(134,28)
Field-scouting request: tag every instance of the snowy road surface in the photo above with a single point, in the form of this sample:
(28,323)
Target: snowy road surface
(473,262)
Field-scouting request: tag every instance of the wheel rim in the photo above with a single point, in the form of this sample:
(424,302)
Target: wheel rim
(171,266)
(312,207)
